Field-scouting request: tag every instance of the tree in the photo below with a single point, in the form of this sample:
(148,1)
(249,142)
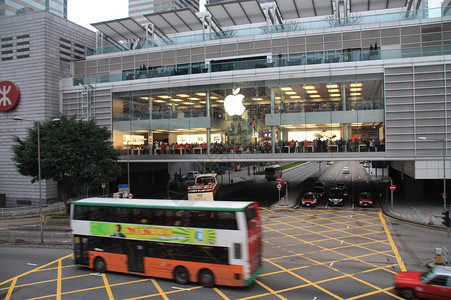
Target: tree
(72,153)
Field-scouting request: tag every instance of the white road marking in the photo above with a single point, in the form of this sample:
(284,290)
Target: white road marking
(179,288)
(331,264)
(31,264)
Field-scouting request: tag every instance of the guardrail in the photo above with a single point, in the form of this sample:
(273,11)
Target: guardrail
(58,207)
(33,237)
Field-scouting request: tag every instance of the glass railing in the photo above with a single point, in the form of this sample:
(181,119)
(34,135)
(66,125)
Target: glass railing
(293,60)
(326,22)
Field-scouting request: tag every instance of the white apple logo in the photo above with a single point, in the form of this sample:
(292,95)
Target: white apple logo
(233,104)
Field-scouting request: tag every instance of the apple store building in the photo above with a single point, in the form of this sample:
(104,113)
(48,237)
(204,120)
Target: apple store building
(330,78)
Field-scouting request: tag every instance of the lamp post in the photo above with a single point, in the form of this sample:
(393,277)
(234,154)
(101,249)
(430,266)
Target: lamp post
(423,138)
(41,217)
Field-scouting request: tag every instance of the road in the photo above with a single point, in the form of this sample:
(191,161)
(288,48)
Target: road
(309,253)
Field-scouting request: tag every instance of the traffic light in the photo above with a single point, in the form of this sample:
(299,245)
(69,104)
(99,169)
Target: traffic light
(445,217)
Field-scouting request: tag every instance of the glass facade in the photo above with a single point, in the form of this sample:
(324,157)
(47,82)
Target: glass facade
(296,115)
(15,7)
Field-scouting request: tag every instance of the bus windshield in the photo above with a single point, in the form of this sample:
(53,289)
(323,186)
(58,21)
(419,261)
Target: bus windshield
(134,236)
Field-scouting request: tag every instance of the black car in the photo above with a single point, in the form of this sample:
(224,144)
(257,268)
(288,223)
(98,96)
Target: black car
(336,197)
(342,187)
(319,191)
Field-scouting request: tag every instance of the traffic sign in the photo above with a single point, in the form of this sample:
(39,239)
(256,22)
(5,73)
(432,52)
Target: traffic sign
(392,187)
(279,186)
(279,179)
(130,195)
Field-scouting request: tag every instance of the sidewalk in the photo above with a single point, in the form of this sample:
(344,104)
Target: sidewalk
(418,211)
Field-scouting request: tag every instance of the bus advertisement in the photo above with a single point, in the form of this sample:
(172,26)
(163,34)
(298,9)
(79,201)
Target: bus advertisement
(205,188)
(209,242)
(273,172)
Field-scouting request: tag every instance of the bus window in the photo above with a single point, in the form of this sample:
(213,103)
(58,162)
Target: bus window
(226,220)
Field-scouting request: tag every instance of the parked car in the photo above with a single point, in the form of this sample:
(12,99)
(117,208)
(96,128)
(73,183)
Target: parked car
(434,284)
(309,199)
(345,170)
(336,197)
(365,199)
(192,174)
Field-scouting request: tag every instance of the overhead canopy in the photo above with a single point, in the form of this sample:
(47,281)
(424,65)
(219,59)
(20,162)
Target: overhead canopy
(294,9)
(175,21)
(364,5)
(121,29)
(238,12)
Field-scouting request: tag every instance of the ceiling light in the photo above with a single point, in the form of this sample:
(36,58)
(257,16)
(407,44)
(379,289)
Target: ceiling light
(144,98)
(335,95)
(334,90)
(332,86)
(188,103)
(201,94)
(315,96)
(164,96)
(295,97)
(277,98)
(355,94)
(286,88)
(309,87)
(177,100)
(291,93)
(257,98)
(193,98)
(311,92)
(183,95)
(213,97)
(355,89)
(357,84)
(159,101)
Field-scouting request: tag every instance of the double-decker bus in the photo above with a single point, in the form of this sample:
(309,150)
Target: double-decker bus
(273,172)
(210,242)
(205,188)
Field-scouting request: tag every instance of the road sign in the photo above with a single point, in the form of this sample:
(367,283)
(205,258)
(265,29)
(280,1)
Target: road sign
(392,187)
(279,179)
(130,195)
(279,186)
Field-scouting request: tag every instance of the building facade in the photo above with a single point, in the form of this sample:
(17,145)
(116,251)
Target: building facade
(251,81)
(36,49)
(138,8)
(15,7)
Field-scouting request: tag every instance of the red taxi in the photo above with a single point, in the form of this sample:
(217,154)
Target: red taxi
(309,199)
(434,284)
(365,199)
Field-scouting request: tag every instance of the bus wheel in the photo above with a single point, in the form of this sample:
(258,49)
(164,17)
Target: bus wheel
(206,278)
(99,265)
(181,275)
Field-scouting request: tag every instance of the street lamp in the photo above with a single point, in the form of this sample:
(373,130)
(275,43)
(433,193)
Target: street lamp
(16,118)
(423,138)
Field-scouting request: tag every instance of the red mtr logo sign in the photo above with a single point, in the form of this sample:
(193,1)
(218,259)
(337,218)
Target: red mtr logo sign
(9,95)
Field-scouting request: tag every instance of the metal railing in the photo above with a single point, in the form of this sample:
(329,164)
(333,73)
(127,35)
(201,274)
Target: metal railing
(32,237)
(58,207)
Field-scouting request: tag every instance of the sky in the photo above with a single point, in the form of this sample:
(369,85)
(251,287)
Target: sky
(85,12)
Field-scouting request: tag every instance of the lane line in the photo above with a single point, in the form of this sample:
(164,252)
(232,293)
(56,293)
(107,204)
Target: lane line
(221,294)
(107,287)
(11,288)
(270,290)
(34,270)
(392,243)
(162,294)
(58,282)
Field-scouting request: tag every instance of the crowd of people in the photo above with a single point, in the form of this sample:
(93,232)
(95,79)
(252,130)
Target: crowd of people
(356,144)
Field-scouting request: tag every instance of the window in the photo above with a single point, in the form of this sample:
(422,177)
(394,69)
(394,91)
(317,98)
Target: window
(439,280)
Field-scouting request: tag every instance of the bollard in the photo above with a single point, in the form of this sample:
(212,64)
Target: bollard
(438,256)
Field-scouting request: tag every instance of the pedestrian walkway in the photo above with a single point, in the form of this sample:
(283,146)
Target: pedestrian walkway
(416,210)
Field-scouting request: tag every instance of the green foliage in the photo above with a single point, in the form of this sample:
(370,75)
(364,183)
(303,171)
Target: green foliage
(59,217)
(72,153)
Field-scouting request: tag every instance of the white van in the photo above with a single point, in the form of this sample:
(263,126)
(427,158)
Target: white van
(192,174)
